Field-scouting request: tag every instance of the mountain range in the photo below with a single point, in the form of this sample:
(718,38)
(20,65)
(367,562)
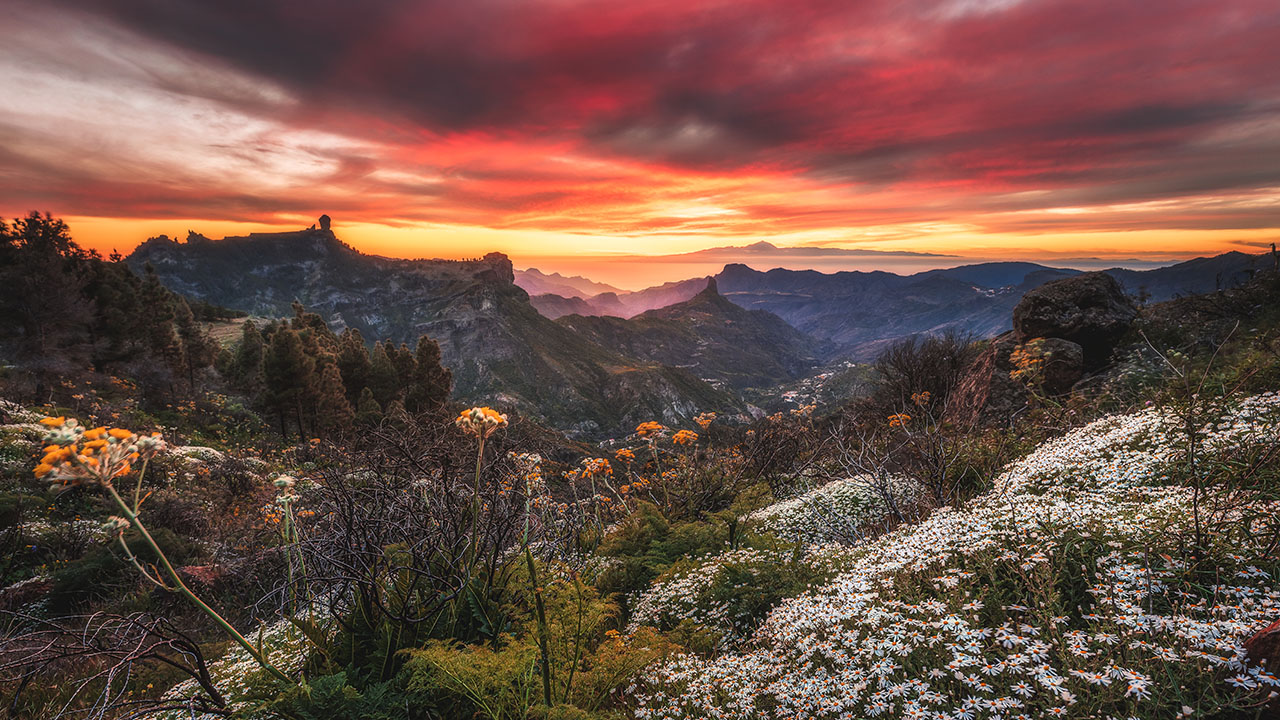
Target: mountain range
(856,313)
(604,362)
(501,350)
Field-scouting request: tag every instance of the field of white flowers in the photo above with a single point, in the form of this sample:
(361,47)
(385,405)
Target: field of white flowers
(1066,591)
(838,510)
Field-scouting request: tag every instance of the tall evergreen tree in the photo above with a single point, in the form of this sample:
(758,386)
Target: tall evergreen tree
(42,293)
(431,383)
(353,363)
(287,375)
(406,364)
(117,306)
(333,411)
(246,369)
(383,378)
(162,337)
(368,411)
(198,349)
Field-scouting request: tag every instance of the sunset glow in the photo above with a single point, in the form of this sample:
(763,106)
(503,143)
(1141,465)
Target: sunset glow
(568,132)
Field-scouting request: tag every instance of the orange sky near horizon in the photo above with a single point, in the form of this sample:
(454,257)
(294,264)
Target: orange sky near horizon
(598,258)
(578,135)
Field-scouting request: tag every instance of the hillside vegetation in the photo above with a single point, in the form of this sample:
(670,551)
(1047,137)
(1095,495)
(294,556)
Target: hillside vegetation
(1078,518)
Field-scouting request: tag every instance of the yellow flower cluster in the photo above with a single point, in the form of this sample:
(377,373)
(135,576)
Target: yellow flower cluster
(635,486)
(650,429)
(899,419)
(480,421)
(685,437)
(705,419)
(76,456)
(804,410)
(1028,360)
(625,455)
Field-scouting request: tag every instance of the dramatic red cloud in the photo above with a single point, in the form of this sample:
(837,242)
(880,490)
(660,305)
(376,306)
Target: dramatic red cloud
(1028,128)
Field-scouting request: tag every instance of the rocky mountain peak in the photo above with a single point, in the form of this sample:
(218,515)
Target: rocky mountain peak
(499,268)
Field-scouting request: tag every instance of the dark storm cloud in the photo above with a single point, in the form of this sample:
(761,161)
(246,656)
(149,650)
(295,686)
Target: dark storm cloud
(1098,101)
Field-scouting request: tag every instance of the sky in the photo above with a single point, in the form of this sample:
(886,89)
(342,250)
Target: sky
(577,134)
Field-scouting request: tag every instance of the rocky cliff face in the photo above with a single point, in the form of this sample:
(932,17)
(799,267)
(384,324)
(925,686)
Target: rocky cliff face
(499,348)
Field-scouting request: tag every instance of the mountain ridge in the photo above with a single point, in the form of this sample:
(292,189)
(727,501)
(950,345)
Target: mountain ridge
(500,349)
(859,312)
(695,334)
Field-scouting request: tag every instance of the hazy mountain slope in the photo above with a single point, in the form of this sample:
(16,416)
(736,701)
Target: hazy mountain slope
(711,336)
(552,306)
(499,348)
(996,274)
(535,282)
(629,304)
(1193,277)
(860,312)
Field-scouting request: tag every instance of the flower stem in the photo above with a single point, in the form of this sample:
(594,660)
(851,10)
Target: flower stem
(183,590)
(544,633)
(475,510)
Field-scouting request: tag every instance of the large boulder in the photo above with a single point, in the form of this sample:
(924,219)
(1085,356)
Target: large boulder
(1090,310)
(1264,646)
(990,391)
(985,390)
(1061,363)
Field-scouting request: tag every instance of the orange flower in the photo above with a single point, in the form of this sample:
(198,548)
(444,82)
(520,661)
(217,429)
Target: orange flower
(53,421)
(625,455)
(480,421)
(685,437)
(899,419)
(120,433)
(649,429)
(95,433)
(597,466)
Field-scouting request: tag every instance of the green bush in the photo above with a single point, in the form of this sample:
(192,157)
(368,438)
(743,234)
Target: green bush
(104,573)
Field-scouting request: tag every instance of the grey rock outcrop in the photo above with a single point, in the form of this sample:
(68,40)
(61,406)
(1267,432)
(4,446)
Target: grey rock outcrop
(1090,310)
(1063,364)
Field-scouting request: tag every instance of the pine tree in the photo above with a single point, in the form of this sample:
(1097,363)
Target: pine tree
(406,364)
(246,373)
(432,382)
(368,412)
(119,323)
(333,412)
(198,349)
(287,374)
(383,379)
(353,363)
(42,284)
